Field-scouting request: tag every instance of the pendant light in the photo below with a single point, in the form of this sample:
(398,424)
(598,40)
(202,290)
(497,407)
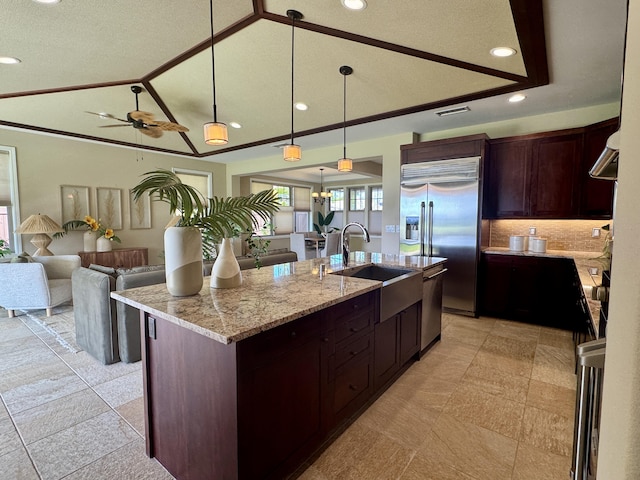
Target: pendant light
(345,164)
(215,133)
(322,196)
(292,152)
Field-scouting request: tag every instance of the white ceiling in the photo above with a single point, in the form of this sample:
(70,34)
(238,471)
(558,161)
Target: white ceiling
(410,59)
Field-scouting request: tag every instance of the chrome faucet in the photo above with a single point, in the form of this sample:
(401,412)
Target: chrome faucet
(345,245)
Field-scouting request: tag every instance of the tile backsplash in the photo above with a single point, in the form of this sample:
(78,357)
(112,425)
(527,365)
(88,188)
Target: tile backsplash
(574,235)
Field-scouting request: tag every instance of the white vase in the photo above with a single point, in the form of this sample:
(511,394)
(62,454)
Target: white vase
(89,240)
(103,244)
(183,260)
(226,270)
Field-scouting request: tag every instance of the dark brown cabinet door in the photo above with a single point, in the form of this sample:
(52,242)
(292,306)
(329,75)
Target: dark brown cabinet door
(597,194)
(409,332)
(495,284)
(386,354)
(554,179)
(509,179)
(280,410)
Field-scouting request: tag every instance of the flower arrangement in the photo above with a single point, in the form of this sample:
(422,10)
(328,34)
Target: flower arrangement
(90,223)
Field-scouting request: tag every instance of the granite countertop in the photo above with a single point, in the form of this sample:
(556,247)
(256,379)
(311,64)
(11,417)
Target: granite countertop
(588,267)
(269,296)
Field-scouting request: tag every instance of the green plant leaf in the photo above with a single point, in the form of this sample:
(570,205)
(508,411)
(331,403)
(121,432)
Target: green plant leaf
(329,218)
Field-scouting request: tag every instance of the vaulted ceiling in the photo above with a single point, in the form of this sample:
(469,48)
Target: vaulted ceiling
(408,57)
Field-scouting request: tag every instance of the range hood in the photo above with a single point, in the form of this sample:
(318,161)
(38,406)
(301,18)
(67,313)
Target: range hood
(606,167)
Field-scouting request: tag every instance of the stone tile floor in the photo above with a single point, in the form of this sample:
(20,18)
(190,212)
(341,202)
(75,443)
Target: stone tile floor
(493,400)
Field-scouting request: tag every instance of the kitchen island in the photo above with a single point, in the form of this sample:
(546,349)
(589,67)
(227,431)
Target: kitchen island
(250,382)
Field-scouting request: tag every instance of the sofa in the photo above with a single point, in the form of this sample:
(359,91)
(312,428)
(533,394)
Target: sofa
(38,283)
(110,330)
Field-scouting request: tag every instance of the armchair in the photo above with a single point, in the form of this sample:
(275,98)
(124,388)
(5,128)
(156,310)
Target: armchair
(41,284)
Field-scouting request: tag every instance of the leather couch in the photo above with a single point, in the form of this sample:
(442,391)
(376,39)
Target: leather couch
(110,330)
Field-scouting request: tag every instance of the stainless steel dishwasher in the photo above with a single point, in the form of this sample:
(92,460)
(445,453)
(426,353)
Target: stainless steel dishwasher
(431,306)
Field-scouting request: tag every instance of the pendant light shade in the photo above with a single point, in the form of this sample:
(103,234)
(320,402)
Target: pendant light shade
(292,152)
(215,133)
(345,164)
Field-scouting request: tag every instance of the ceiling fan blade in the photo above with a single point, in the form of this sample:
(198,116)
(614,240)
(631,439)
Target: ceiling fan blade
(111,126)
(153,132)
(107,115)
(139,116)
(171,127)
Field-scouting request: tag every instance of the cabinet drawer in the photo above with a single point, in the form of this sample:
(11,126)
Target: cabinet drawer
(356,305)
(352,349)
(352,382)
(264,347)
(354,324)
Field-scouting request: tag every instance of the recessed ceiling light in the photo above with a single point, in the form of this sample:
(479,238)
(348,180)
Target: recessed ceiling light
(502,52)
(235,125)
(354,4)
(47,1)
(518,97)
(9,60)
(301,106)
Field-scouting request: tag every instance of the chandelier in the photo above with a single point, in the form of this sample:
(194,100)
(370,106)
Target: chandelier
(321,197)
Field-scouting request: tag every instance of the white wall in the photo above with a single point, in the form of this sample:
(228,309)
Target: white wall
(46,162)
(620,426)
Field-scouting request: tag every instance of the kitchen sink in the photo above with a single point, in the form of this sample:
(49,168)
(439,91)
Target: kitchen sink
(376,272)
(401,288)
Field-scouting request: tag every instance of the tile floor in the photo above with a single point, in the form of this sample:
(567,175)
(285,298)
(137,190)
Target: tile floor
(494,400)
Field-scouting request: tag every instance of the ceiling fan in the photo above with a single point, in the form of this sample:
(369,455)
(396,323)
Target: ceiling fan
(143,121)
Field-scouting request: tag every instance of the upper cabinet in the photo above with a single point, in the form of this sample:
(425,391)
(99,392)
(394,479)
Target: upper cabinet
(546,175)
(596,194)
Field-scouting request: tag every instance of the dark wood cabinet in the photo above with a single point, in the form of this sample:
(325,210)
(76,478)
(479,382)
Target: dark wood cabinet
(409,321)
(509,179)
(530,289)
(387,358)
(596,194)
(534,177)
(397,340)
(280,399)
(545,175)
(116,258)
(555,164)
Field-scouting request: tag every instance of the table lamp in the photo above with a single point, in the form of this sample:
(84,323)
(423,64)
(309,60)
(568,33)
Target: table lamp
(40,226)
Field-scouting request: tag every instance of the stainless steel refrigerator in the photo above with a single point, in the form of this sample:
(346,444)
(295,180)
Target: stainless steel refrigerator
(440,217)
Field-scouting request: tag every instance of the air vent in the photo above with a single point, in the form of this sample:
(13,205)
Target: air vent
(452,111)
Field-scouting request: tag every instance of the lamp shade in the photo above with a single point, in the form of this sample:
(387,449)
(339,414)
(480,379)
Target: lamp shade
(215,133)
(345,165)
(39,224)
(292,153)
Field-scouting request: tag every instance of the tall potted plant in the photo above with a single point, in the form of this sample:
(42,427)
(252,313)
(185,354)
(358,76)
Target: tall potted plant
(219,218)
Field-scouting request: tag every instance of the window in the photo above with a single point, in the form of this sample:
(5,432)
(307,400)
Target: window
(9,220)
(376,199)
(201,181)
(357,199)
(295,202)
(336,201)
(284,195)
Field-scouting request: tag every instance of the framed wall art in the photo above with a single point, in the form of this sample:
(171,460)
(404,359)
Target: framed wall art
(140,211)
(74,202)
(109,211)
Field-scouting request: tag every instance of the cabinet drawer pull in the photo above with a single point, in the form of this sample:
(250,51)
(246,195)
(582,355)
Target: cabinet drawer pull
(293,334)
(353,329)
(353,387)
(325,339)
(356,306)
(354,353)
